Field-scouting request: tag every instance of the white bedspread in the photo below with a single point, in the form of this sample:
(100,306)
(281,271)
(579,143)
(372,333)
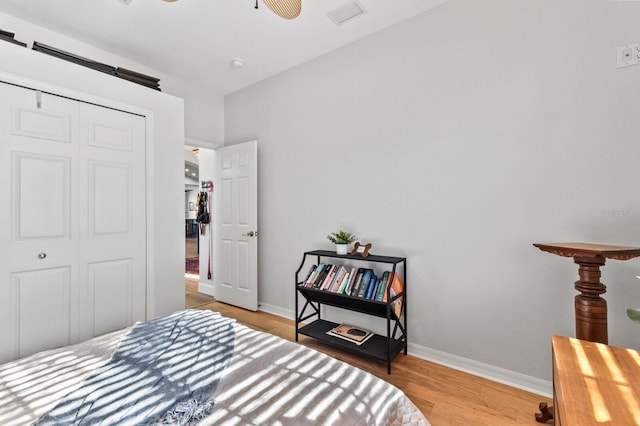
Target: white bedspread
(269,381)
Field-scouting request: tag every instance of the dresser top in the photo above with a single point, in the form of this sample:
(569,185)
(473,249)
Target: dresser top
(595,383)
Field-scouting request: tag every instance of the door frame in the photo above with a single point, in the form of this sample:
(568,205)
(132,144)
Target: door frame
(204,285)
(208,171)
(77,95)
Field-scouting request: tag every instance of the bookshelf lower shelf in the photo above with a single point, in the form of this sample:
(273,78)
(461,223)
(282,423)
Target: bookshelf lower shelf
(375,347)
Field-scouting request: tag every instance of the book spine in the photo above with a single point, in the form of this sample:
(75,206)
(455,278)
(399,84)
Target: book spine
(364,285)
(311,270)
(356,284)
(381,286)
(397,287)
(387,289)
(345,282)
(314,275)
(373,285)
(355,342)
(329,279)
(351,282)
(322,276)
(338,279)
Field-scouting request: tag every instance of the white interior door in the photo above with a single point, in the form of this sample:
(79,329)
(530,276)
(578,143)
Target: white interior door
(69,201)
(235,220)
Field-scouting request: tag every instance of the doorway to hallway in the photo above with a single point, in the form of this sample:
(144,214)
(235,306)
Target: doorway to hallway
(192,297)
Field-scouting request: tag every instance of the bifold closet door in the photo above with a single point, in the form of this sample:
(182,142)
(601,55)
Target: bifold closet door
(72,221)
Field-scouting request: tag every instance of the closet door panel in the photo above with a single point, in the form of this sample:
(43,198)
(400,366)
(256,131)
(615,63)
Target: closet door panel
(113,217)
(41,197)
(109,199)
(72,220)
(111,287)
(39,285)
(41,310)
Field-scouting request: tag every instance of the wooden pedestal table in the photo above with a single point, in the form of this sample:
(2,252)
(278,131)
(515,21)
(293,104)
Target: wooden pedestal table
(590,308)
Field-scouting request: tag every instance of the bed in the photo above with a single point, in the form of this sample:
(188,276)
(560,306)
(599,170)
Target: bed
(196,367)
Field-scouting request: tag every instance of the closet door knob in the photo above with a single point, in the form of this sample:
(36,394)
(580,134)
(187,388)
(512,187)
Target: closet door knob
(42,255)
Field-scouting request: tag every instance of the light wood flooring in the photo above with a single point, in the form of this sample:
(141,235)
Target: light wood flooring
(444,395)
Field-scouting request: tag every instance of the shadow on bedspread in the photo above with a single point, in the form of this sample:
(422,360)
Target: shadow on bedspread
(164,372)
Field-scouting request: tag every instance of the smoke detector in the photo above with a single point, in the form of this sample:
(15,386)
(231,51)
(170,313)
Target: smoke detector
(237,63)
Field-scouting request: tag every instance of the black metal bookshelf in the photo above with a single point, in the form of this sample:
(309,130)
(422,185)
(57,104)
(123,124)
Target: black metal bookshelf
(381,347)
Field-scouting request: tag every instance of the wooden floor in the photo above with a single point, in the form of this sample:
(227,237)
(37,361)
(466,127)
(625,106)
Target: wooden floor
(190,247)
(444,395)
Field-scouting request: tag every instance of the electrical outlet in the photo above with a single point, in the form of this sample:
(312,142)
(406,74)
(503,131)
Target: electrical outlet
(629,55)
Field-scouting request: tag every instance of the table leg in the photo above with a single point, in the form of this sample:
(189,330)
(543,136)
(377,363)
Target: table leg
(591,309)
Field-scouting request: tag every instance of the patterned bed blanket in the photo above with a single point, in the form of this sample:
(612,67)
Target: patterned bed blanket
(267,381)
(163,372)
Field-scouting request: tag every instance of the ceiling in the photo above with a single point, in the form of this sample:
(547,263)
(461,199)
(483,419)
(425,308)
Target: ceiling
(196,40)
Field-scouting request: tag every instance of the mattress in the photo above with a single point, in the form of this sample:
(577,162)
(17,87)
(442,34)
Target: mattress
(268,381)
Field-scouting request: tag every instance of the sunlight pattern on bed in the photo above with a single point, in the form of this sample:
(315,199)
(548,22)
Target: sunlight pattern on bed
(164,371)
(268,381)
(274,381)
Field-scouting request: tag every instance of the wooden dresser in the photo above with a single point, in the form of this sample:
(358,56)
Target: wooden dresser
(595,384)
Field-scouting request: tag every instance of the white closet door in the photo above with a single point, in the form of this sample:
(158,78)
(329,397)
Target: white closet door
(113,219)
(67,212)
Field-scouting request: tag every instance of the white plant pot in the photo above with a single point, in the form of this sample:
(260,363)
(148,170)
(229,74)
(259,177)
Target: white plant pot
(342,248)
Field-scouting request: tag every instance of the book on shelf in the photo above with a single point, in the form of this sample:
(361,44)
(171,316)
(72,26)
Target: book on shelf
(352,280)
(364,284)
(356,284)
(321,276)
(350,333)
(397,287)
(373,285)
(311,270)
(345,282)
(329,278)
(382,285)
(337,282)
(312,278)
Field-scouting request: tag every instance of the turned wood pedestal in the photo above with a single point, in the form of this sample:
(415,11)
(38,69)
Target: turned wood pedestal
(590,308)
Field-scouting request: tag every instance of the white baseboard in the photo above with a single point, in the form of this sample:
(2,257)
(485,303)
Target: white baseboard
(276,310)
(487,371)
(493,373)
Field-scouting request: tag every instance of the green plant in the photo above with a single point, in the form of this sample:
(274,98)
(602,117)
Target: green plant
(634,314)
(341,237)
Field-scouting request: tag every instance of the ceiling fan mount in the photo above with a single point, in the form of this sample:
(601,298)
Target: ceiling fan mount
(287,9)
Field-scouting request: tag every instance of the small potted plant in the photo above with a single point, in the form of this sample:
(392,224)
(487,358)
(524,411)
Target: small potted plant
(341,239)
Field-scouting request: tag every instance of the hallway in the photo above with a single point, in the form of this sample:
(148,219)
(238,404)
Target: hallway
(192,297)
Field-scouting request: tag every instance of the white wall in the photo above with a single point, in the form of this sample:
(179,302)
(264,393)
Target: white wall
(457,139)
(165,170)
(203,109)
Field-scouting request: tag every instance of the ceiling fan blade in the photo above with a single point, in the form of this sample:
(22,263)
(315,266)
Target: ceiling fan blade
(287,9)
